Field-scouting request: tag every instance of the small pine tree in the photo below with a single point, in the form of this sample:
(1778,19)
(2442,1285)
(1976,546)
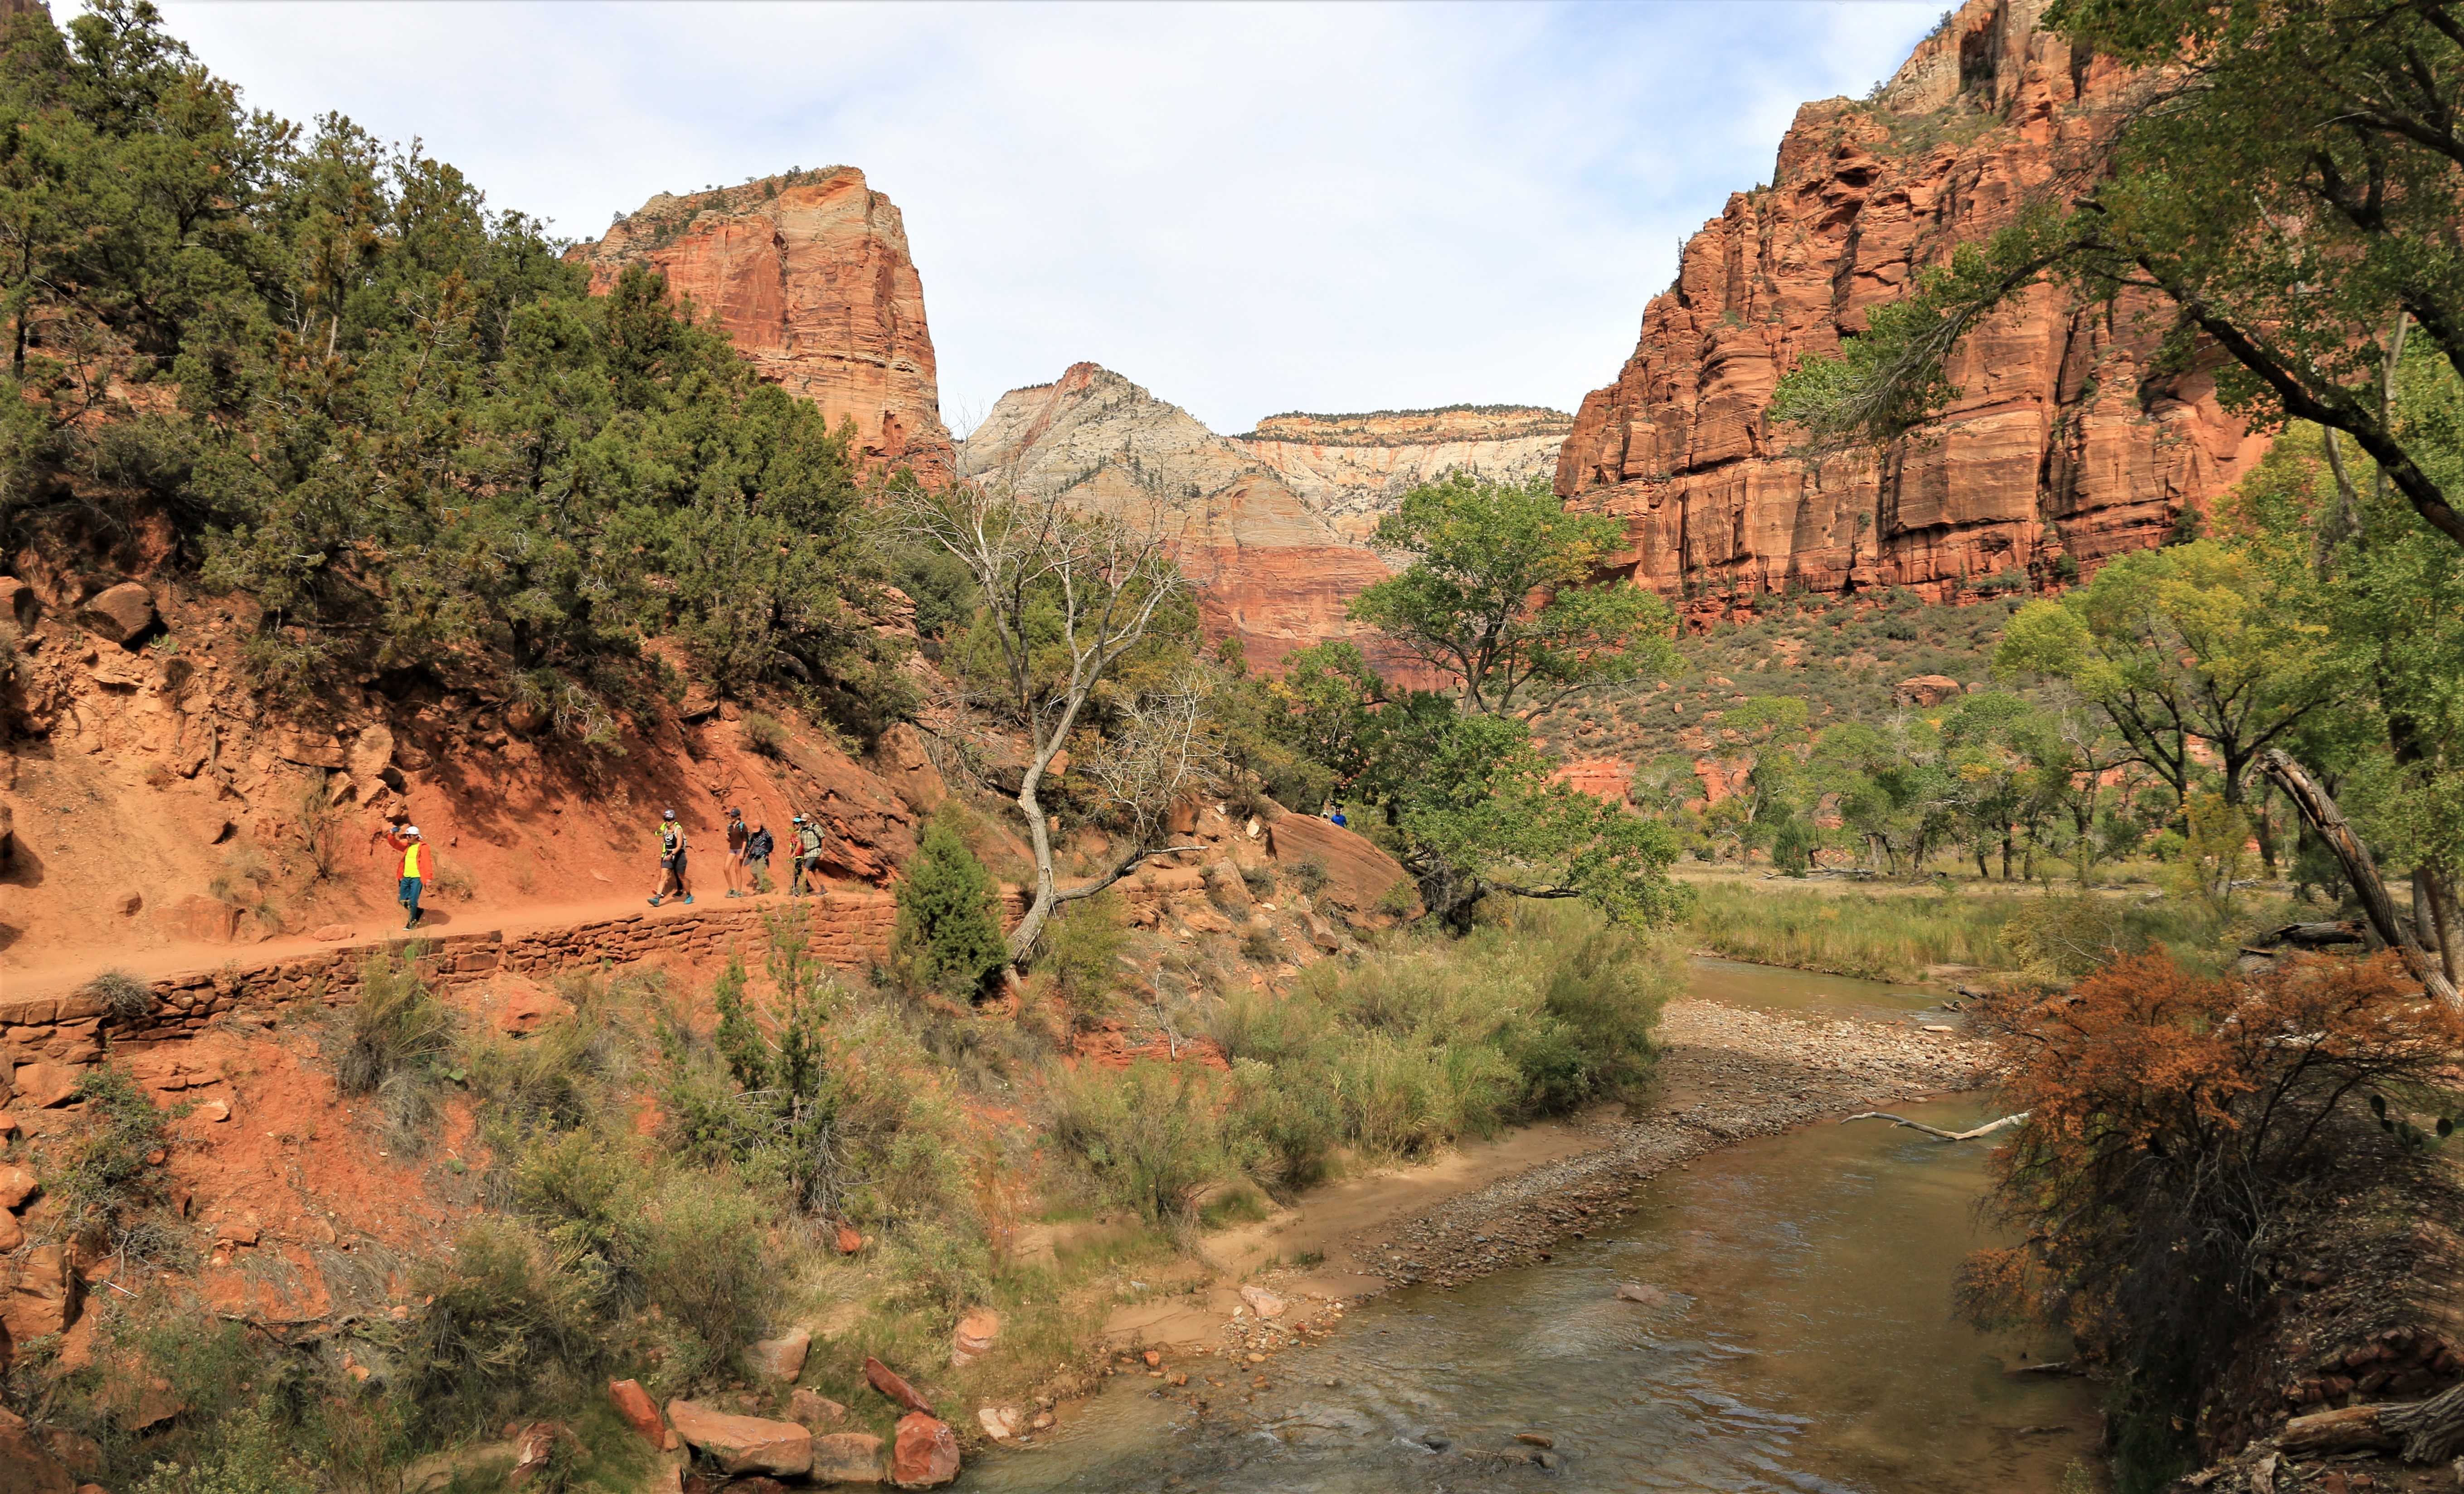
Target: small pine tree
(949,936)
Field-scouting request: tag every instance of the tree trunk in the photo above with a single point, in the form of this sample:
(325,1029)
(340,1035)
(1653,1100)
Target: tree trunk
(2360,870)
(2441,920)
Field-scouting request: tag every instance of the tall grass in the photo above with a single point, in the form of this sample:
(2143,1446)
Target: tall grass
(1879,936)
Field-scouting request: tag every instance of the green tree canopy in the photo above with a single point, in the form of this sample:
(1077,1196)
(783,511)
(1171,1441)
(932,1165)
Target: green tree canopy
(1502,595)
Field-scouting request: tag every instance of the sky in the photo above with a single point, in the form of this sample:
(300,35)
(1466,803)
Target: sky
(1246,208)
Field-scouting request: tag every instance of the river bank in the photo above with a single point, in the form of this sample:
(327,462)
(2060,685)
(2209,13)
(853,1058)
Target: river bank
(1726,1073)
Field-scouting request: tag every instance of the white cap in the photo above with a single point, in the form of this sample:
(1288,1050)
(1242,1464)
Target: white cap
(410,829)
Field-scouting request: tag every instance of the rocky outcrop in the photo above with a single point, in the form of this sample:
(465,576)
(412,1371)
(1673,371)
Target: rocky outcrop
(2066,439)
(1270,572)
(1352,469)
(809,273)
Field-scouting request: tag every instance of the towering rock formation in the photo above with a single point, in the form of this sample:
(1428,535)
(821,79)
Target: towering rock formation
(1351,468)
(2065,440)
(809,273)
(1270,572)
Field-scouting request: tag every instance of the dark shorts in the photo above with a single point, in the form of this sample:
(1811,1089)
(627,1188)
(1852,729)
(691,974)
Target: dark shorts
(676,863)
(409,893)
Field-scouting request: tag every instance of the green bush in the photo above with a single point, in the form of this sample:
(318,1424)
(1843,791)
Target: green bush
(1149,1137)
(1876,935)
(1437,1039)
(396,1027)
(1082,947)
(949,934)
(111,1177)
(763,734)
(505,1322)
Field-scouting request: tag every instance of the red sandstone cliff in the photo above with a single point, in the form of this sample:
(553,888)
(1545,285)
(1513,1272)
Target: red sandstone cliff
(809,273)
(2063,440)
(1270,571)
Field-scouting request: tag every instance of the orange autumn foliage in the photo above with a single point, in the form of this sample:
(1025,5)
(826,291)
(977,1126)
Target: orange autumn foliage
(2174,1119)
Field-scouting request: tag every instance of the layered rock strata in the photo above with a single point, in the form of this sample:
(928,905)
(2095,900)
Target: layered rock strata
(2066,439)
(1352,469)
(811,275)
(1270,572)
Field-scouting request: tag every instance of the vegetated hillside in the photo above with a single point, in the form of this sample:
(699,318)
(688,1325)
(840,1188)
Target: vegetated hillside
(2071,439)
(1846,660)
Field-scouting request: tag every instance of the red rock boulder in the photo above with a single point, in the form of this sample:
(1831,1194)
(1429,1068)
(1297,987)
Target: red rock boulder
(743,1444)
(1358,875)
(121,613)
(926,1453)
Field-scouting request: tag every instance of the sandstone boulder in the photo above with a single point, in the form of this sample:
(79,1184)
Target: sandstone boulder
(198,919)
(121,613)
(1358,875)
(1925,689)
(634,1405)
(42,1085)
(18,604)
(1261,1302)
(1641,1292)
(898,757)
(781,1358)
(925,1454)
(973,1338)
(12,1233)
(27,1466)
(891,1384)
(848,1458)
(16,1186)
(743,1444)
(1224,885)
(46,1297)
(814,1410)
(1000,1423)
(370,754)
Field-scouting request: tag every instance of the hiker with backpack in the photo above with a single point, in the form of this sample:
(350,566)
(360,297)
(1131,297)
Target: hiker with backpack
(757,858)
(671,861)
(807,857)
(738,835)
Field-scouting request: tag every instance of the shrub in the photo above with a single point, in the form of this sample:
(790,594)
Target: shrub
(111,1176)
(248,1453)
(763,734)
(1149,1136)
(2175,1125)
(1082,948)
(1310,875)
(1260,947)
(124,998)
(397,1026)
(2064,937)
(1260,881)
(949,935)
(505,1322)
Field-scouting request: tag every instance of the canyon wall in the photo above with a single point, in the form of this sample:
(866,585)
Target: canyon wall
(809,273)
(1352,469)
(1270,571)
(2065,439)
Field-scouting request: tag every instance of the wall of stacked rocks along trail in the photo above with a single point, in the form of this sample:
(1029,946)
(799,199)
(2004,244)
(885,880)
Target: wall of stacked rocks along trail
(848,929)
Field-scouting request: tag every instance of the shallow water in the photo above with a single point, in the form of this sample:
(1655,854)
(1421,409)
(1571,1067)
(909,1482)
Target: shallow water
(1772,988)
(1808,1346)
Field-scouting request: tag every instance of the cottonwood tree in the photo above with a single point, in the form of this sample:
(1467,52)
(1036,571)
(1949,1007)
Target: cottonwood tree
(1502,597)
(1066,598)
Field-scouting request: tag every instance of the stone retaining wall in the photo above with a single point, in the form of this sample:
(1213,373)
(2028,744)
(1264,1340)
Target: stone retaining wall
(848,930)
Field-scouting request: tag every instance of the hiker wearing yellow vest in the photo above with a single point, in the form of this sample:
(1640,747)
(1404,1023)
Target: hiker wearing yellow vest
(406,840)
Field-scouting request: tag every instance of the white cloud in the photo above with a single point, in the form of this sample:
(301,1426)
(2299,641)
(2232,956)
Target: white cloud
(1246,208)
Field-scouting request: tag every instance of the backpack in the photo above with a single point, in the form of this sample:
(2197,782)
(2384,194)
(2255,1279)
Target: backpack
(758,848)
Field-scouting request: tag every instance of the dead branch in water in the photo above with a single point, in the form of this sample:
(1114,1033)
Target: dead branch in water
(1986,1129)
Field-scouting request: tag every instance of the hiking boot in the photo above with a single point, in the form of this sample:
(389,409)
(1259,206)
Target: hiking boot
(655,901)
(733,893)
(688,899)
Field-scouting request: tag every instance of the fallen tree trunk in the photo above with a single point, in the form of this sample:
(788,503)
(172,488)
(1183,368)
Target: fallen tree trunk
(2319,808)
(2419,1431)
(1986,1129)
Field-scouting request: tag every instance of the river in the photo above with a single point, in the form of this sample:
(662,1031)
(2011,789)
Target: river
(1807,1344)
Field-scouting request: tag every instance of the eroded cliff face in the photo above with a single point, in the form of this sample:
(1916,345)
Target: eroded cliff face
(1352,469)
(809,273)
(1270,571)
(2064,440)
